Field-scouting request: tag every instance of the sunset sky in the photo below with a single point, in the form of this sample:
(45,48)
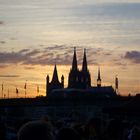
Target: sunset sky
(34,34)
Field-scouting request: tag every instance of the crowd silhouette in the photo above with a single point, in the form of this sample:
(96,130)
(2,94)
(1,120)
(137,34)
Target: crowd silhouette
(92,129)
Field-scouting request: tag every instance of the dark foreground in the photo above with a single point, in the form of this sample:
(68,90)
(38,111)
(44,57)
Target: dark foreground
(90,119)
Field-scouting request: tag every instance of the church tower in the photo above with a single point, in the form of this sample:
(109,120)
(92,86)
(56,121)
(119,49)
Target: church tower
(85,75)
(79,79)
(116,85)
(74,73)
(99,78)
(54,84)
(84,65)
(74,62)
(55,76)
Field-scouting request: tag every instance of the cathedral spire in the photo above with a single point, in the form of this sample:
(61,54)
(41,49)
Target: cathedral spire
(55,75)
(84,66)
(116,84)
(99,75)
(74,63)
(99,78)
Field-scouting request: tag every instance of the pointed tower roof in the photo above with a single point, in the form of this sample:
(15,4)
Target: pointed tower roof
(99,75)
(84,66)
(74,62)
(55,75)
(116,82)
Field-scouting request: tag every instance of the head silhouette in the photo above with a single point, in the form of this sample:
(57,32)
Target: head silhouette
(36,130)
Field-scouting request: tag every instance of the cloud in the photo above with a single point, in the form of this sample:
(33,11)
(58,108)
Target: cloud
(11,57)
(17,57)
(33,53)
(133,56)
(117,62)
(9,76)
(29,68)
(24,50)
(1,23)
(108,53)
(61,54)
(2,42)
(3,66)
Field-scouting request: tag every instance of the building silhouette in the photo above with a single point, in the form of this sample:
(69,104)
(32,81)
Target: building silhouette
(79,78)
(99,78)
(79,81)
(55,83)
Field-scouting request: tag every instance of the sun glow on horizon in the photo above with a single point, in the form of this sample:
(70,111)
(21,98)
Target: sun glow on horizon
(37,76)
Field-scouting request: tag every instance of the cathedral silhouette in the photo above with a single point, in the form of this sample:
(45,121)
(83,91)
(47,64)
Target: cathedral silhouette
(79,81)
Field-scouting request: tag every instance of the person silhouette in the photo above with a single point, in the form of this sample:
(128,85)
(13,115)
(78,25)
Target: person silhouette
(35,130)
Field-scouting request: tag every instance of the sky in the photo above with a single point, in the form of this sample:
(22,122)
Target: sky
(34,34)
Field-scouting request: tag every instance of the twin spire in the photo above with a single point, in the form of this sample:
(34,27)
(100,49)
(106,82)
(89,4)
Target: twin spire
(75,68)
(84,66)
(74,62)
(55,78)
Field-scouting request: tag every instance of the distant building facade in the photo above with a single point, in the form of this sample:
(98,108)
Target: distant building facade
(78,81)
(55,83)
